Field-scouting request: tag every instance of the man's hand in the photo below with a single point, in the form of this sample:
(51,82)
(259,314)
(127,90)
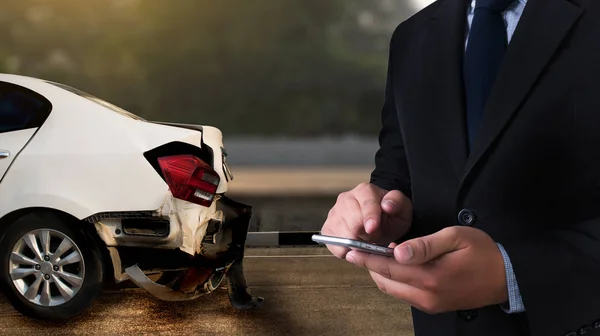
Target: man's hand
(370,214)
(456,268)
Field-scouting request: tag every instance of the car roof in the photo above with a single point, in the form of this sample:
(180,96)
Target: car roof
(23,80)
(41,86)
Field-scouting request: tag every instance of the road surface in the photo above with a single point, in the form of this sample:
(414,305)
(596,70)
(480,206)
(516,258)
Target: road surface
(306,290)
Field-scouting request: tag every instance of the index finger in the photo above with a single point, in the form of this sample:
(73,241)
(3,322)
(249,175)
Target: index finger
(370,206)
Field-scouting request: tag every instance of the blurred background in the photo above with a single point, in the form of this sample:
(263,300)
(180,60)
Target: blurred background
(296,86)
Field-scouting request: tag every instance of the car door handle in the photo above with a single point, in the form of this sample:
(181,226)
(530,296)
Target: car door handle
(4,154)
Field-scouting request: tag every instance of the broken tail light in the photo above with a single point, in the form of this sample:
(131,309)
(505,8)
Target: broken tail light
(189,178)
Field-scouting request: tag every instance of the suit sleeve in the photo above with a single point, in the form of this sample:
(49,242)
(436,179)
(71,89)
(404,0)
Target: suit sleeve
(559,278)
(391,167)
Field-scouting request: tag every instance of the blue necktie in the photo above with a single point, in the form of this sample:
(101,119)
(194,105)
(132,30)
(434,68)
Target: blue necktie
(485,48)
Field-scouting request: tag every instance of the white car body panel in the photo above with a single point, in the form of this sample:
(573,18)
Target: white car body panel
(87,159)
(13,143)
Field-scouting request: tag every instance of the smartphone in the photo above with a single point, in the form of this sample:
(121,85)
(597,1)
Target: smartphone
(354,245)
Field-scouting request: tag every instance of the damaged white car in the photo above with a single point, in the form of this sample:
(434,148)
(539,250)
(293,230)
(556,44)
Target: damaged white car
(92,195)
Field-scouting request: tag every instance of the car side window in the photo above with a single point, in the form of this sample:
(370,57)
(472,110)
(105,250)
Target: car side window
(21,108)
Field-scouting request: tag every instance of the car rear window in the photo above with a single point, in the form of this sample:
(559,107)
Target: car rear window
(21,109)
(99,101)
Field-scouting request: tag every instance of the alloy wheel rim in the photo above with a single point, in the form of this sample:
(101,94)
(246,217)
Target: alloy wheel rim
(46,267)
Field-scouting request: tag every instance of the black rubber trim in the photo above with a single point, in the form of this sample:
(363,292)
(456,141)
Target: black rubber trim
(120,215)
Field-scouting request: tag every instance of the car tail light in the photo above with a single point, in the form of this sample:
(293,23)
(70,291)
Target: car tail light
(189,178)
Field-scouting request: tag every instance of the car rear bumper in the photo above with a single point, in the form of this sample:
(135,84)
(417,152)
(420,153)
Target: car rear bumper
(200,246)
(176,224)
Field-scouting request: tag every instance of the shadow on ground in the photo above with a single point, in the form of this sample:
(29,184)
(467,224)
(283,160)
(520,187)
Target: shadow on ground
(133,312)
(304,295)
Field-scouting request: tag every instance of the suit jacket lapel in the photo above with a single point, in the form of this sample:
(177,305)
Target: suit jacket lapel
(443,91)
(542,27)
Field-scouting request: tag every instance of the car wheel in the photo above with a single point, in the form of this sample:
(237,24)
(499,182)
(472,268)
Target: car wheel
(48,270)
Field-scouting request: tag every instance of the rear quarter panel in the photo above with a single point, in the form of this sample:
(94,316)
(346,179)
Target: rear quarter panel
(86,159)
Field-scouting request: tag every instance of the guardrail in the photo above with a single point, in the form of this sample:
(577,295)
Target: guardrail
(280,238)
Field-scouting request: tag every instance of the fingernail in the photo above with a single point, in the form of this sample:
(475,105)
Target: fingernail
(406,253)
(369,224)
(389,203)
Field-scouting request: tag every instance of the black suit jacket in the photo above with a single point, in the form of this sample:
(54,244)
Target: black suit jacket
(532,179)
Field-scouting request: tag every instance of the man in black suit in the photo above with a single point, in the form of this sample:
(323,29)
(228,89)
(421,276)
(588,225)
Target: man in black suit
(488,172)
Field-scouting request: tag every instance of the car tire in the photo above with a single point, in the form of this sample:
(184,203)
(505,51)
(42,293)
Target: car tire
(58,287)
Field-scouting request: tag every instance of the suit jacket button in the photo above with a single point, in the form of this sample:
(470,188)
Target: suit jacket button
(467,315)
(466,217)
(596,324)
(584,330)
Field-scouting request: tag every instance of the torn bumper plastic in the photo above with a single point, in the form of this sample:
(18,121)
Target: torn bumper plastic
(191,262)
(165,293)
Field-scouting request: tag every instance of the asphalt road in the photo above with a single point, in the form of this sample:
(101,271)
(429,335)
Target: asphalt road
(306,291)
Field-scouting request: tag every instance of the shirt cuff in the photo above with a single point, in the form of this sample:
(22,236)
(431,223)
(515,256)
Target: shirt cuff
(515,301)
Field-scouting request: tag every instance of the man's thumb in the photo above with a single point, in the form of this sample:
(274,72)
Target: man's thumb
(392,202)
(424,249)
